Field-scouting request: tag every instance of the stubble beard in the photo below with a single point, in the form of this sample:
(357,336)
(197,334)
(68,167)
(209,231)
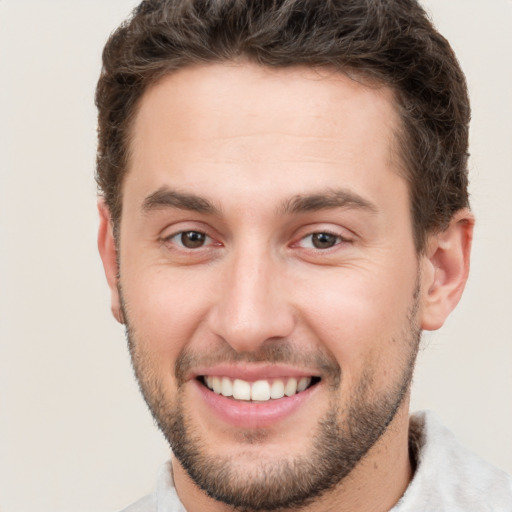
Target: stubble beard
(341,440)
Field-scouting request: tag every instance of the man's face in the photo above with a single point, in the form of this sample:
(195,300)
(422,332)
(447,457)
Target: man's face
(266,250)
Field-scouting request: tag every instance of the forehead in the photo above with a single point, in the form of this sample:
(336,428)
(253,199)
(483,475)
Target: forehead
(221,123)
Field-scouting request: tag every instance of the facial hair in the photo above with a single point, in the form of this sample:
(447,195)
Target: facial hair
(342,438)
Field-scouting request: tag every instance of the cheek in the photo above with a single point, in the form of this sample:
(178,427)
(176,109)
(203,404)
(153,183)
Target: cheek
(361,318)
(164,312)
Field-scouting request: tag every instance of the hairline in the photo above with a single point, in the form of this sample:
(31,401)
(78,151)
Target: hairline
(399,139)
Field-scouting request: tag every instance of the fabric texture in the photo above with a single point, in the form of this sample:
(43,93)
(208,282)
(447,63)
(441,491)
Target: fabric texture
(448,477)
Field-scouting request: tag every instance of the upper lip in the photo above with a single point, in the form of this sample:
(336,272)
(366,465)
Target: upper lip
(252,372)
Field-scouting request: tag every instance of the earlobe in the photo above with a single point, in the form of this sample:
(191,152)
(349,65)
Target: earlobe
(108,252)
(446,269)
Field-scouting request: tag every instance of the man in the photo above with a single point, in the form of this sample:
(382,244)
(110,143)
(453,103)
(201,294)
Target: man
(283,210)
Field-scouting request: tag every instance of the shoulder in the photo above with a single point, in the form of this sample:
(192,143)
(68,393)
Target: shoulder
(163,499)
(146,504)
(450,477)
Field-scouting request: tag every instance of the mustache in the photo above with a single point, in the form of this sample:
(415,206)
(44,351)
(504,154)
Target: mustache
(271,353)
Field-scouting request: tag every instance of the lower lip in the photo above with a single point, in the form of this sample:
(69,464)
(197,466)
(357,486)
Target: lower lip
(253,415)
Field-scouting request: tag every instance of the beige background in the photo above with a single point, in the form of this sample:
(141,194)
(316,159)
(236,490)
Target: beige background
(74,433)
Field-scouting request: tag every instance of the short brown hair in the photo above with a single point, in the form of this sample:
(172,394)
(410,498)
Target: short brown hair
(391,42)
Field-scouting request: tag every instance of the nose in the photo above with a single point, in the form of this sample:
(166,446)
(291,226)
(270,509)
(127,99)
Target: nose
(252,305)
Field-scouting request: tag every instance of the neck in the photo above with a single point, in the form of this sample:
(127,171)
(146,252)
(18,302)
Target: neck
(375,485)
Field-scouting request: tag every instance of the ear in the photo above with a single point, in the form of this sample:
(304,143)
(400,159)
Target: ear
(446,269)
(108,253)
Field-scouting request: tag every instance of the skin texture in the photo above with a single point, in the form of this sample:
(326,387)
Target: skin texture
(258,161)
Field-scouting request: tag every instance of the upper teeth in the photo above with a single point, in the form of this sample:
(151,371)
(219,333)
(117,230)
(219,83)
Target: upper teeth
(260,390)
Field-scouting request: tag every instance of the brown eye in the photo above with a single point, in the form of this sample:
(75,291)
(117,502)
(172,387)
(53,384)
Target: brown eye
(324,240)
(192,239)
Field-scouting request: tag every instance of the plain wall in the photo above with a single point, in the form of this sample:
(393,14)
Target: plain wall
(74,432)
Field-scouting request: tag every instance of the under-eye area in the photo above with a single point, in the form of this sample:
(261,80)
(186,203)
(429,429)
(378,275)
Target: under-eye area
(260,390)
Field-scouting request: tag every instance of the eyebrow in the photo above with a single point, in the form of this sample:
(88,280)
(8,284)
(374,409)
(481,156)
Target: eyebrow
(340,198)
(165,197)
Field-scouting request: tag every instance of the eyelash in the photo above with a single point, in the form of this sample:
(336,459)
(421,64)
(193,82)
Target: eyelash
(204,241)
(338,240)
(169,239)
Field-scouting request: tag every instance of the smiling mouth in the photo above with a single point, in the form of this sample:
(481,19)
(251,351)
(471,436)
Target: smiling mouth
(260,390)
